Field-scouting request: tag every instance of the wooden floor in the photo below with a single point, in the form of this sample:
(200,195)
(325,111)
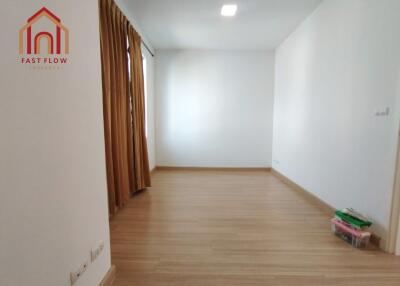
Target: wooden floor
(231,228)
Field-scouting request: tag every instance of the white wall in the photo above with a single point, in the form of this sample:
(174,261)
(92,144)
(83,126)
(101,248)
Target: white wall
(332,73)
(214,108)
(53,202)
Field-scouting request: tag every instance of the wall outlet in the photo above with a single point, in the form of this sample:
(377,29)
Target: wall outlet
(77,274)
(94,253)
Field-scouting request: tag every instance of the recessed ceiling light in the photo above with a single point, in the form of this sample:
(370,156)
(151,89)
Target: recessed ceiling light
(229,10)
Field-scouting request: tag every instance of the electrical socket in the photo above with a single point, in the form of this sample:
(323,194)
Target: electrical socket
(77,274)
(94,253)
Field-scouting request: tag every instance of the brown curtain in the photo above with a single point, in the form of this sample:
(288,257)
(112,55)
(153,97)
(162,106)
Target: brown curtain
(141,160)
(119,117)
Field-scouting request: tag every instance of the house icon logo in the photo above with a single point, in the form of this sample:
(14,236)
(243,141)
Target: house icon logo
(44,41)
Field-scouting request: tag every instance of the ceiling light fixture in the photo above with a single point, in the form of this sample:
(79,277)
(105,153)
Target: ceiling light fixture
(229,10)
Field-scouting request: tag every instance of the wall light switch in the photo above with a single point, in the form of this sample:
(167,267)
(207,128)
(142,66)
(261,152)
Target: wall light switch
(382,112)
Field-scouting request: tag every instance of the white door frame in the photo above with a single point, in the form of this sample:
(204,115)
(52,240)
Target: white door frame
(394,231)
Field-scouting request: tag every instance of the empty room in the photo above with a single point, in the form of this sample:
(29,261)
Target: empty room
(200,142)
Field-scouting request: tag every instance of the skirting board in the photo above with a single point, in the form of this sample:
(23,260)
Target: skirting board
(241,169)
(375,240)
(109,278)
(306,194)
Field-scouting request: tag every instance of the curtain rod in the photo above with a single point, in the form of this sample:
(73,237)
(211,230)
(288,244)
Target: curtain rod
(129,23)
(147,48)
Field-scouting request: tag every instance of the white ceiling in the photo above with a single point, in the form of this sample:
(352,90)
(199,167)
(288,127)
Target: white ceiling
(197,24)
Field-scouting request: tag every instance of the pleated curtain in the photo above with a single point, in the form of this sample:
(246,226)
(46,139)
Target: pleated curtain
(141,162)
(123,108)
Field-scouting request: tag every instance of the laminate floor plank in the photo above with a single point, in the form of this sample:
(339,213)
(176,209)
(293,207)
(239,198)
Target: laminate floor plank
(219,228)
